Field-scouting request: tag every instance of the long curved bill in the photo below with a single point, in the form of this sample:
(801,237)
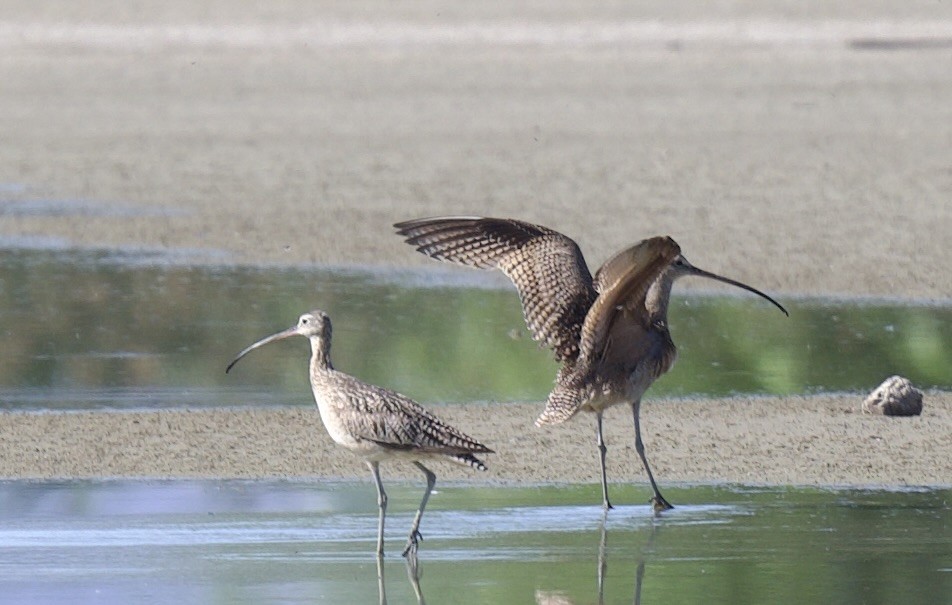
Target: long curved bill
(702,273)
(292,331)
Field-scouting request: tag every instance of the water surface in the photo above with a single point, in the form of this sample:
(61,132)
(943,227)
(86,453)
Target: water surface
(102,330)
(269,542)
(105,330)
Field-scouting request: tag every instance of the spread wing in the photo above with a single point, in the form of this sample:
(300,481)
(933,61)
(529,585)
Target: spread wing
(547,268)
(623,285)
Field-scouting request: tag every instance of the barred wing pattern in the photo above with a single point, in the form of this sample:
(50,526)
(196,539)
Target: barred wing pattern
(397,422)
(547,268)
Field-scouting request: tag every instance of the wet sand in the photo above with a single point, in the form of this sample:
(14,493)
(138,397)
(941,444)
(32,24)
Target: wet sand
(820,440)
(803,149)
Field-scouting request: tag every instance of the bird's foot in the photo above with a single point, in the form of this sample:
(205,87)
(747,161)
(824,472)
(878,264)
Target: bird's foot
(660,504)
(413,543)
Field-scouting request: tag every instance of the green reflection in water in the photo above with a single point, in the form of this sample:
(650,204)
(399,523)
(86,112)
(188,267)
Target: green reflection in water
(265,541)
(87,330)
(766,546)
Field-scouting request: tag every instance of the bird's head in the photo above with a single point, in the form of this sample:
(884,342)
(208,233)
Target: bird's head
(313,325)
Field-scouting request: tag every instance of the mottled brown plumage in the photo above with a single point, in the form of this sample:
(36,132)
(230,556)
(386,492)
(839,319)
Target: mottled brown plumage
(546,267)
(373,422)
(610,332)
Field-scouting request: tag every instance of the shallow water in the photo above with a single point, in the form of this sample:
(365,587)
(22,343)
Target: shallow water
(268,542)
(105,330)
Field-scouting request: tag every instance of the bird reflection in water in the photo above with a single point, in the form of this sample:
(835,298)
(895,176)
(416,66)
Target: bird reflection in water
(413,574)
(555,597)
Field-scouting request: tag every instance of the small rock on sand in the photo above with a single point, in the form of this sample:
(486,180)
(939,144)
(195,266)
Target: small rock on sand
(894,397)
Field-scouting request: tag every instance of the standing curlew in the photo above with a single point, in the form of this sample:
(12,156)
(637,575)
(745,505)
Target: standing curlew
(609,333)
(376,423)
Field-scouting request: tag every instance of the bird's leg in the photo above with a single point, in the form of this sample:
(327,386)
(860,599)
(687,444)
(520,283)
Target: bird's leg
(415,536)
(602,449)
(657,500)
(381,504)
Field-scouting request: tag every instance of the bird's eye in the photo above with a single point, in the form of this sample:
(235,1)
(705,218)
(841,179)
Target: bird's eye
(304,321)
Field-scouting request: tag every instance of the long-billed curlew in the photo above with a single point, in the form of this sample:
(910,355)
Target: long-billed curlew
(376,423)
(610,333)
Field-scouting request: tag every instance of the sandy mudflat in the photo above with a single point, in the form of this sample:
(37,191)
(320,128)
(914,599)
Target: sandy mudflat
(804,148)
(775,144)
(822,440)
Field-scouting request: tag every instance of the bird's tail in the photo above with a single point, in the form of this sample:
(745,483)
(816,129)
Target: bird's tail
(561,405)
(470,460)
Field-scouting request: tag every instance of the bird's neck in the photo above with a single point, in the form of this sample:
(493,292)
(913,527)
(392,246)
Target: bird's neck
(321,354)
(657,298)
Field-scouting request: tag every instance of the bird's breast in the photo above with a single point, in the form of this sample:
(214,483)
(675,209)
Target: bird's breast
(333,417)
(333,393)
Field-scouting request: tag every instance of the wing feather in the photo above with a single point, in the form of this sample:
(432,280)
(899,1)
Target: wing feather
(623,287)
(396,421)
(547,268)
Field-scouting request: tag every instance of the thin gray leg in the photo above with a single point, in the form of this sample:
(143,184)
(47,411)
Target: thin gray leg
(602,449)
(657,500)
(415,536)
(381,504)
